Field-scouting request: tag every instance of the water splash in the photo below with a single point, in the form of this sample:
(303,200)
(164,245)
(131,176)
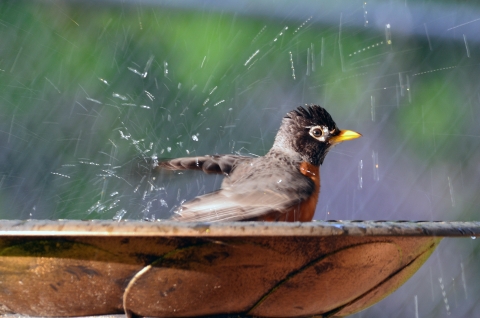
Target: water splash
(376,175)
(450,187)
(372,107)
(302,25)
(280,34)
(291,65)
(388,34)
(360,172)
(444,295)
(365,14)
(119,215)
(251,57)
(116,95)
(61,175)
(466,45)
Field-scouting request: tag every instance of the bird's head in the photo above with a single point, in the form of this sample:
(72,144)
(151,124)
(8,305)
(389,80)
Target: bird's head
(311,132)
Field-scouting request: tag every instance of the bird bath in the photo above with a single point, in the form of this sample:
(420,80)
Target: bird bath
(171,269)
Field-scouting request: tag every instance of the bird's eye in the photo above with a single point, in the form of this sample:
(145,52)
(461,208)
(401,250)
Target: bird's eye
(319,132)
(316,132)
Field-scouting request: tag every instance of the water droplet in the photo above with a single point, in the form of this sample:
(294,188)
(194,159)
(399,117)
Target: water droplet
(163,203)
(119,96)
(376,175)
(360,174)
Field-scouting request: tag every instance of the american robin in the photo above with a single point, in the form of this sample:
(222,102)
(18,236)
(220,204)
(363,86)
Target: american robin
(283,185)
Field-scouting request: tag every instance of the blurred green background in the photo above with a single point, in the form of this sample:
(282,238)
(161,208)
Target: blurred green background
(91,90)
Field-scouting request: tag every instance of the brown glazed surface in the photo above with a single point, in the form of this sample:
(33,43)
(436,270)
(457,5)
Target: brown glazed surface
(184,276)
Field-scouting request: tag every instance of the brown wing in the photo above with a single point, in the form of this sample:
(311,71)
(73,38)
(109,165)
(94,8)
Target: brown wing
(220,164)
(253,190)
(224,205)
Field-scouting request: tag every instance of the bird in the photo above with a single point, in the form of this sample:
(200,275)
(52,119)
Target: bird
(282,185)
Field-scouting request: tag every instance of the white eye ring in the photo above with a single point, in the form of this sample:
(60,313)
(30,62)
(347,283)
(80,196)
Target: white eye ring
(318,132)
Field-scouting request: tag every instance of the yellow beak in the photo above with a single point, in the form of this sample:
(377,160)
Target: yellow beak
(344,135)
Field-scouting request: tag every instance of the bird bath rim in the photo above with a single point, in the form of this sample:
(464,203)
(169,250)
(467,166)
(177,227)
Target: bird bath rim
(242,229)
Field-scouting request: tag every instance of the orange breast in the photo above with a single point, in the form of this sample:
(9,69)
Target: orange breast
(306,210)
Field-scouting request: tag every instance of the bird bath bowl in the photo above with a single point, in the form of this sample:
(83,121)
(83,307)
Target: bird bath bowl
(171,269)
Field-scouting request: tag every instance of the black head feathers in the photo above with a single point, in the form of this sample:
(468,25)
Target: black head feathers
(313,115)
(294,135)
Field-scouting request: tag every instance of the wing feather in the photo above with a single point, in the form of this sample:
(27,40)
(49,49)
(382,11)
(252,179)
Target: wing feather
(256,187)
(218,164)
(224,205)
